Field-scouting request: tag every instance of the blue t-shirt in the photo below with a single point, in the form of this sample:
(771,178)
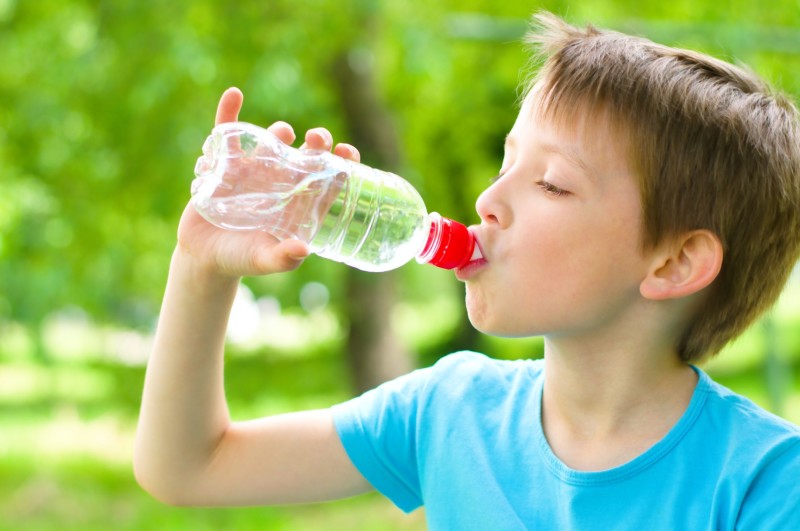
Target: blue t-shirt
(464,438)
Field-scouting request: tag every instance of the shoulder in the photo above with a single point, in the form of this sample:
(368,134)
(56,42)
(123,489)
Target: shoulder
(469,379)
(470,372)
(760,451)
(460,377)
(746,422)
(479,385)
(470,363)
(765,460)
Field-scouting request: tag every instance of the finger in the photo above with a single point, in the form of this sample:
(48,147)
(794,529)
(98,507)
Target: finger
(318,138)
(283,131)
(285,256)
(229,106)
(346,151)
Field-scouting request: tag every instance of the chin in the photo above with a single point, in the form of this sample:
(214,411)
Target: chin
(492,328)
(500,327)
(478,322)
(487,320)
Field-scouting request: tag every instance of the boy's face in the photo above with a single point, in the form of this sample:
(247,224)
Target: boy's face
(560,231)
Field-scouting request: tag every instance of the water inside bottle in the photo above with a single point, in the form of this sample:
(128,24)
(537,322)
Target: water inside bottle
(248,180)
(373,224)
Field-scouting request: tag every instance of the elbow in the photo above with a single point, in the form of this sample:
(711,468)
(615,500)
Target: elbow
(155,488)
(164,486)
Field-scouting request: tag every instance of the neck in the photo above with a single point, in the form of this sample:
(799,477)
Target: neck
(601,408)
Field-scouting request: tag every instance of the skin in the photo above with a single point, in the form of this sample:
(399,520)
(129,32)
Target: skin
(562,257)
(187,449)
(561,236)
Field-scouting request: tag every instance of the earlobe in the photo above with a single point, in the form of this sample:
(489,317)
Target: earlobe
(684,268)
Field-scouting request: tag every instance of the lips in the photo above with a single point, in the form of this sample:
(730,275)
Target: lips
(470,270)
(477,261)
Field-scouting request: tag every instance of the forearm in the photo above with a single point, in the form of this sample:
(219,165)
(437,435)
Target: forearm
(187,450)
(184,414)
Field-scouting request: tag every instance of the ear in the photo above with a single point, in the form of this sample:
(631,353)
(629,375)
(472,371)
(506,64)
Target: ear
(684,267)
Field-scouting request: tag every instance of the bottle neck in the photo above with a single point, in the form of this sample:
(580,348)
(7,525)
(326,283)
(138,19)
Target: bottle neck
(450,244)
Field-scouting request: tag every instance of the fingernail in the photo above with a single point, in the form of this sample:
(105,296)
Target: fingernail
(324,134)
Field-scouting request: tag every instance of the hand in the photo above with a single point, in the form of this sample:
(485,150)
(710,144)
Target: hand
(248,253)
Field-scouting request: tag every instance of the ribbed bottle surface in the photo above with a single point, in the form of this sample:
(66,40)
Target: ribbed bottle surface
(248,179)
(376,222)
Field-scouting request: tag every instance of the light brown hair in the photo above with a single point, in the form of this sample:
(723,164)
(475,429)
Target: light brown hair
(713,147)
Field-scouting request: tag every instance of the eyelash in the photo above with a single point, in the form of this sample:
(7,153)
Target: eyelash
(551,188)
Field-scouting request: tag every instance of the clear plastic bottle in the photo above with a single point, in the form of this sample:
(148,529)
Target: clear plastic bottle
(247,179)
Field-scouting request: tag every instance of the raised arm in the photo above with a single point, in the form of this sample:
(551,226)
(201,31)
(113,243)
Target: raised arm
(187,451)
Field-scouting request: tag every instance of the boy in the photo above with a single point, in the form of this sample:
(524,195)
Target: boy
(617,230)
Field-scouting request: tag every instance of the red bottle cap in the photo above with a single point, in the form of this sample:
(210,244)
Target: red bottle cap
(450,245)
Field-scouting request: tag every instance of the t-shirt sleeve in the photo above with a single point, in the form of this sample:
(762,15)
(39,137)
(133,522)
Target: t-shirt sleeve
(378,431)
(773,499)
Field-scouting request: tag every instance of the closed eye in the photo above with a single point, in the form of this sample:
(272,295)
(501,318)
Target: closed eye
(551,188)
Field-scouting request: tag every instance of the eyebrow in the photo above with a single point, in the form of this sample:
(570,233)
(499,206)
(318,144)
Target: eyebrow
(572,156)
(568,153)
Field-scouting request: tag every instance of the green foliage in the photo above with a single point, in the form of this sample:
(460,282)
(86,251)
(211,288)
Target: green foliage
(66,446)
(105,106)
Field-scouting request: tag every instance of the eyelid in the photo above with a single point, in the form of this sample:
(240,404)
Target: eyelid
(550,188)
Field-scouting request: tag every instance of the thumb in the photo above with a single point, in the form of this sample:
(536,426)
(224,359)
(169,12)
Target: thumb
(285,256)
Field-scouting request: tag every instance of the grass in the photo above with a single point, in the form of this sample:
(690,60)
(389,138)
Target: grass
(66,428)
(65,451)
(66,442)
(84,493)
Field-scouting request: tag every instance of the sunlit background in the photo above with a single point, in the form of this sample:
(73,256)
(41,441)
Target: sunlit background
(103,108)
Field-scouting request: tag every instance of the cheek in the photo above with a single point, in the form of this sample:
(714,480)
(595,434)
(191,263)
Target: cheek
(583,255)
(622,239)
(608,265)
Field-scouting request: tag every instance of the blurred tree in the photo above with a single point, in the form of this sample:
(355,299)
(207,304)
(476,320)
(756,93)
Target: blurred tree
(106,105)
(373,351)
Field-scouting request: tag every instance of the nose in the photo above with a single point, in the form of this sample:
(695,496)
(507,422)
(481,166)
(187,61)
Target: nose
(492,206)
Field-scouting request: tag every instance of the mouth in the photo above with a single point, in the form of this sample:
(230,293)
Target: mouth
(476,262)
(470,270)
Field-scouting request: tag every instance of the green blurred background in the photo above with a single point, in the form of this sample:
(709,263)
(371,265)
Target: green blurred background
(103,108)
